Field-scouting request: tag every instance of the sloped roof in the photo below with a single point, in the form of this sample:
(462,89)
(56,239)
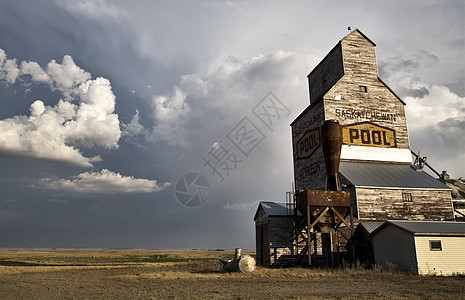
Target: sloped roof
(274,209)
(426,227)
(361,33)
(388,175)
(370,226)
(392,92)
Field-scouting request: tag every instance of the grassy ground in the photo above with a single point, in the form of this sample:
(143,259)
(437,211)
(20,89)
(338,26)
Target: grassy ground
(185,274)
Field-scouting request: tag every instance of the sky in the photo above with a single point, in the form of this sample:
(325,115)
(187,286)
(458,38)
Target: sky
(162,124)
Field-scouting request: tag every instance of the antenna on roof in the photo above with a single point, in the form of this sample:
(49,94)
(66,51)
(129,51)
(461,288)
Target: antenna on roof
(421,162)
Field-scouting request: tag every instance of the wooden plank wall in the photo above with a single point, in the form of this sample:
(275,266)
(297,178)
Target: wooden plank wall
(387,204)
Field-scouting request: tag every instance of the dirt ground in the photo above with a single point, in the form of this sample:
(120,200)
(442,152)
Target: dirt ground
(188,274)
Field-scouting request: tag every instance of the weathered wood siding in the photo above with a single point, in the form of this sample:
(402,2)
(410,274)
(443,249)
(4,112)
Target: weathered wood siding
(378,104)
(262,238)
(262,217)
(309,173)
(281,240)
(459,208)
(349,65)
(326,73)
(274,236)
(448,261)
(387,204)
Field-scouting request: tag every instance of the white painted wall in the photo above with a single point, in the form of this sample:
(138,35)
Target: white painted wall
(354,152)
(450,260)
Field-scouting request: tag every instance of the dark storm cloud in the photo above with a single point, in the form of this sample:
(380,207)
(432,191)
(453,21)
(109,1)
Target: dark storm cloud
(402,71)
(184,74)
(416,93)
(443,143)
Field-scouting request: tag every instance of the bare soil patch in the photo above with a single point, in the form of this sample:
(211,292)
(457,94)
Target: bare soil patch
(196,274)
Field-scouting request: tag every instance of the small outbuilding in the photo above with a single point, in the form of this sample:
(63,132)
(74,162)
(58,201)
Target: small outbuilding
(423,247)
(274,234)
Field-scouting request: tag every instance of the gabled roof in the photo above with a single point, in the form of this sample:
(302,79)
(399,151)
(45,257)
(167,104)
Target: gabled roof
(426,227)
(338,45)
(370,226)
(388,175)
(389,89)
(274,209)
(362,34)
(306,110)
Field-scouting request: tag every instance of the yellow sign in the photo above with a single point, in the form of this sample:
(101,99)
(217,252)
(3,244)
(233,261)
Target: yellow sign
(369,134)
(308,143)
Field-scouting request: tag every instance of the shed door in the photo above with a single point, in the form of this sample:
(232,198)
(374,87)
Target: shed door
(262,245)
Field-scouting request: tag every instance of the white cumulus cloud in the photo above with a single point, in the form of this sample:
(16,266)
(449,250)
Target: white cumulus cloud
(435,114)
(66,76)
(9,70)
(436,125)
(133,127)
(34,70)
(83,119)
(102,182)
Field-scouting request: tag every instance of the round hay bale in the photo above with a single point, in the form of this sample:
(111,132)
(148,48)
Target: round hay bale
(246,264)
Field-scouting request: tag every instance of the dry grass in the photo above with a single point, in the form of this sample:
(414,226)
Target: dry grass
(180,274)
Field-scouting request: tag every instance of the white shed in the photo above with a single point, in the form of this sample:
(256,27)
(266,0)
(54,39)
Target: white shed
(424,247)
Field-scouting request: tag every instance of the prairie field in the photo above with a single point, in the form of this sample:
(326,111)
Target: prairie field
(197,274)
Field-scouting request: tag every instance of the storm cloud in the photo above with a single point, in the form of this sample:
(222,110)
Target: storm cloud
(105,105)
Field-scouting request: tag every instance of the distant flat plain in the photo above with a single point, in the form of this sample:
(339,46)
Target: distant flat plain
(197,274)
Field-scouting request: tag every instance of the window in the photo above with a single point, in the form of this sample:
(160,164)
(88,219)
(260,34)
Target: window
(435,246)
(363,88)
(407,197)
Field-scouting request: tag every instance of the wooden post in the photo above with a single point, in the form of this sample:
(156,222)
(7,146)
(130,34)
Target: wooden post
(309,232)
(352,232)
(237,255)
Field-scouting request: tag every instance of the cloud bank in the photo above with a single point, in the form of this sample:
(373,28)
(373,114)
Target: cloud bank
(435,114)
(103,182)
(82,119)
(218,96)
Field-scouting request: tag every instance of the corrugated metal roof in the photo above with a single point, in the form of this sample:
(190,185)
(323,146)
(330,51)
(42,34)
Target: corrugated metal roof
(275,208)
(386,175)
(370,226)
(427,227)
